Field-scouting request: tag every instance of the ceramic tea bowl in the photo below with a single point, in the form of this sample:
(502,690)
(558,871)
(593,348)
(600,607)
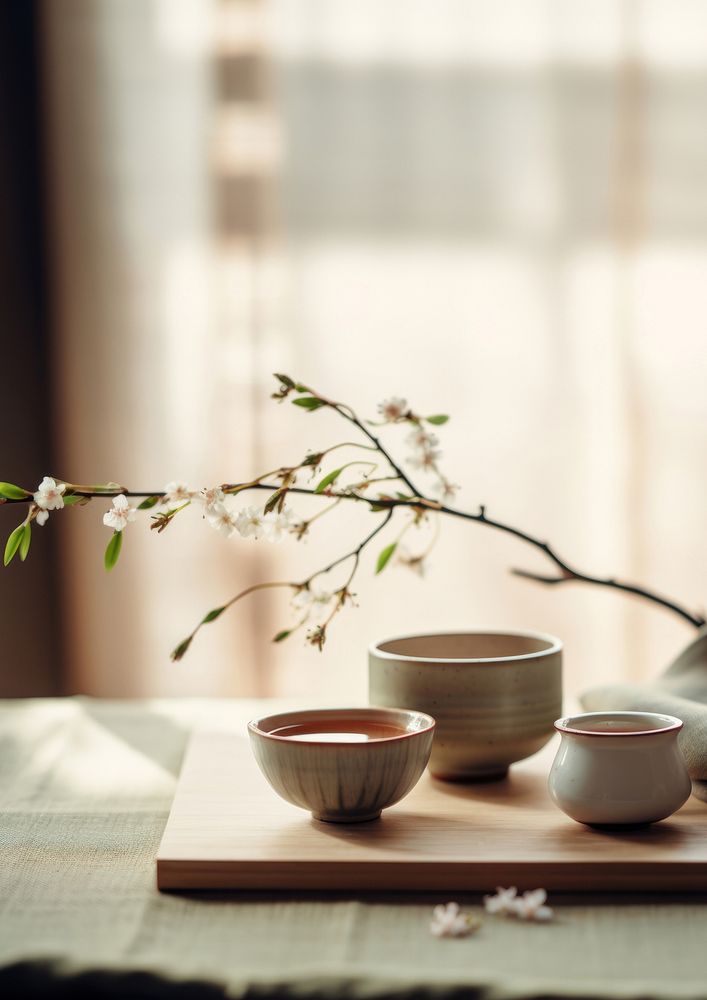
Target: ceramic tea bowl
(343,765)
(618,768)
(494,695)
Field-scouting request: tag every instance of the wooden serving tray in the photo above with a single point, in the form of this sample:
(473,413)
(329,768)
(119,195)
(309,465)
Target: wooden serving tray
(229,830)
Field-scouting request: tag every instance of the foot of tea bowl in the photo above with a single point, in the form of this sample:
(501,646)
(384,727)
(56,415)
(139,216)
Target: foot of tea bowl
(620,827)
(469,777)
(338,818)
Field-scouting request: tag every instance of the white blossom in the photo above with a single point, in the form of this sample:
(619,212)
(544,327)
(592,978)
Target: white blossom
(531,906)
(310,598)
(120,514)
(416,563)
(42,516)
(211,498)
(222,519)
(277,525)
(449,921)
(419,437)
(426,453)
(177,492)
(49,495)
(251,522)
(393,409)
(425,459)
(445,490)
(502,902)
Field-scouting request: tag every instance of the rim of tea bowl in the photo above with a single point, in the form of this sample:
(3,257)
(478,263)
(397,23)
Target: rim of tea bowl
(660,723)
(555,645)
(268,725)
(343,781)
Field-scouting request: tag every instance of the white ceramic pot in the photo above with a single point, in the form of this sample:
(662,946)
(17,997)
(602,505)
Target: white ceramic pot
(619,768)
(494,695)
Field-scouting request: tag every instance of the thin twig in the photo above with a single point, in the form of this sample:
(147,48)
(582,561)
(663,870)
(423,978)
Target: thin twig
(345,411)
(184,645)
(568,573)
(354,554)
(318,636)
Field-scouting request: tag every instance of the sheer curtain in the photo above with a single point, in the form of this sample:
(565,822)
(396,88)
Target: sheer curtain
(494,209)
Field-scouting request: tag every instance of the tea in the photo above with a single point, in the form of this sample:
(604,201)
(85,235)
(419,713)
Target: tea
(339,731)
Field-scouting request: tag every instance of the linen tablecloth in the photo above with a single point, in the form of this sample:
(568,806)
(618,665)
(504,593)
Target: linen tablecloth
(85,790)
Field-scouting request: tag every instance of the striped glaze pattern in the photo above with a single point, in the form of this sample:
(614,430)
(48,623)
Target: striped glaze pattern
(495,696)
(344,782)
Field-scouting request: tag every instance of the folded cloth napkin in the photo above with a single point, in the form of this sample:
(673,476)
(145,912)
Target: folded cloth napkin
(680,691)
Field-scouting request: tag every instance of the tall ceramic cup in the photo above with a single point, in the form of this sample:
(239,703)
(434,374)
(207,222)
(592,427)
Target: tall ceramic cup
(494,695)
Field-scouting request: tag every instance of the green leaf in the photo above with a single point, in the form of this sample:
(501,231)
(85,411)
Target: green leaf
(308,402)
(113,550)
(73,499)
(314,458)
(13,543)
(274,499)
(212,615)
(437,419)
(25,541)
(148,503)
(181,649)
(286,380)
(282,635)
(328,480)
(301,388)
(10,492)
(384,557)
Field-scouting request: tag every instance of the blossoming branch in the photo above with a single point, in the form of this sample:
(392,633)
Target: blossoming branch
(377,480)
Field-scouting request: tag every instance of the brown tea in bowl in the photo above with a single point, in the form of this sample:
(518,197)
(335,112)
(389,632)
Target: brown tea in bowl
(339,731)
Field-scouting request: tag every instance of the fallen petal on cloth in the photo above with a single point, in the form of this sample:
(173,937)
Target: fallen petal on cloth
(680,691)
